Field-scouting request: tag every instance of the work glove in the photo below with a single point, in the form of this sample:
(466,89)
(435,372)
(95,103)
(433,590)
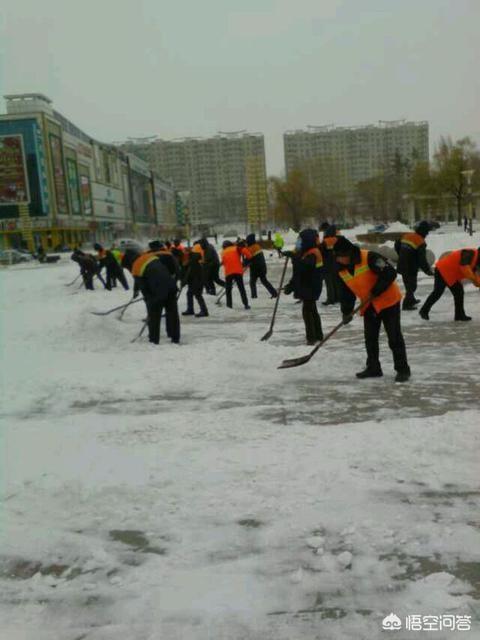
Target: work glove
(347,318)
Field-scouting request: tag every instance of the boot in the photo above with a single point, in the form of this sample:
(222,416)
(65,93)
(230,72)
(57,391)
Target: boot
(202,314)
(410,306)
(402,376)
(423,313)
(188,312)
(369,373)
(462,318)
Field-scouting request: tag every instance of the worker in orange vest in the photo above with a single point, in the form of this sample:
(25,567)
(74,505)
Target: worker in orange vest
(194,278)
(306,282)
(111,260)
(232,265)
(412,256)
(258,267)
(330,235)
(368,276)
(450,270)
(159,292)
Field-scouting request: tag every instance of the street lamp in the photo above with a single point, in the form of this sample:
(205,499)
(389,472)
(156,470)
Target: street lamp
(467,174)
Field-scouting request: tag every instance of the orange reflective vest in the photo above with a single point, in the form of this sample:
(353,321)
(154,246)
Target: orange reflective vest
(141,263)
(362,281)
(318,256)
(413,240)
(255,249)
(198,249)
(453,271)
(231,261)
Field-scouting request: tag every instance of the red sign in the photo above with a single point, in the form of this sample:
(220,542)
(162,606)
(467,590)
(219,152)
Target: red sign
(13,171)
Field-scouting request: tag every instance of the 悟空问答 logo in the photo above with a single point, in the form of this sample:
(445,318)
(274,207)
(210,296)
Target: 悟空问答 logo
(391,623)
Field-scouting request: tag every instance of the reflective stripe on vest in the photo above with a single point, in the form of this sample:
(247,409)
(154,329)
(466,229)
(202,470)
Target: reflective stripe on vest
(318,256)
(362,281)
(141,263)
(413,240)
(118,255)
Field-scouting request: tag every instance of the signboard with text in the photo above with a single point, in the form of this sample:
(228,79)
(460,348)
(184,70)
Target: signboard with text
(13,171)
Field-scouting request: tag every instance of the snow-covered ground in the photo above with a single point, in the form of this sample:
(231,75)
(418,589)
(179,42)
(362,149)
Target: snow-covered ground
(198,492)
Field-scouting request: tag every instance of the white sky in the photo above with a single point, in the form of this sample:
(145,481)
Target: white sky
(120,68)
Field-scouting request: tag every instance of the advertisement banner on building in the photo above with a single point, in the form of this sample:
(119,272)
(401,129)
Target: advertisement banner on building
(58,173)
(85,190)
(13,171)
(73,186)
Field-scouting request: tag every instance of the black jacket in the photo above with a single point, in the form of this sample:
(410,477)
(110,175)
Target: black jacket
(194,275)
(379,265)
(410,260)
(156,284)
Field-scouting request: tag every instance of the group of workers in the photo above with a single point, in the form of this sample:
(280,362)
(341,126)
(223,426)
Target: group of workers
(349,272)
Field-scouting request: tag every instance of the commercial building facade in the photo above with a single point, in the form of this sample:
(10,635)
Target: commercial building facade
(60,187)
(336,159)
(225,176)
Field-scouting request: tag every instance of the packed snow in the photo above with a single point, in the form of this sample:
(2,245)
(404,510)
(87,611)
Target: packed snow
(195,491)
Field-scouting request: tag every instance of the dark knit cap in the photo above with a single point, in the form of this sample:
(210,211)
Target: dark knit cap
(343,247)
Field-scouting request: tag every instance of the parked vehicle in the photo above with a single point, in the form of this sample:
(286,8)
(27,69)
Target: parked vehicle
(378,228)
(13,256)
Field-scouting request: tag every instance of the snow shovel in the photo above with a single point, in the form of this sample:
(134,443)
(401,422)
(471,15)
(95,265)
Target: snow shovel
(270,331)
(139,335)
(73,281)
(125,308)
(297,362)
(122,306)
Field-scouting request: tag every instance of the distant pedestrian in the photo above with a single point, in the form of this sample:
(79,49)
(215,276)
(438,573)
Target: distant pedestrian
(306,282)
(233,267)
(450,270)
(194,278)
(278,243)
(412,256)
(258,268)
(159,292)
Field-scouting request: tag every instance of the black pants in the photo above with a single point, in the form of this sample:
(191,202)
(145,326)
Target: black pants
(439,286)
(200,301)
(410,283)
(115,273)
(331,278)
(155,310)
(229,280)
(390,318)
(87,280)
(311,318)
(212,277)
(263,279)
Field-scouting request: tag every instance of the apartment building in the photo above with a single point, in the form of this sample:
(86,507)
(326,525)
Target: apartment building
(225,175)
(337,158)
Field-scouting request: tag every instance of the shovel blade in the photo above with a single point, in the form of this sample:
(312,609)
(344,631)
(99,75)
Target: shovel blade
(295,362)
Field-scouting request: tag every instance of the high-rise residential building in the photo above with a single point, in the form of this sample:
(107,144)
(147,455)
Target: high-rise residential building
(338,158)
(225,175)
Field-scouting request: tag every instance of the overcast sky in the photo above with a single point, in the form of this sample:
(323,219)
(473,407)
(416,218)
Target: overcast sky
(120,68)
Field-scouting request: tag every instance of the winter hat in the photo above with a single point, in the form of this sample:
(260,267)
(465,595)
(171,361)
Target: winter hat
(250,239)
(330,232)
(227,243)
(423,228)
(343,247)
(308,238)
(97,247)
(155,245)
